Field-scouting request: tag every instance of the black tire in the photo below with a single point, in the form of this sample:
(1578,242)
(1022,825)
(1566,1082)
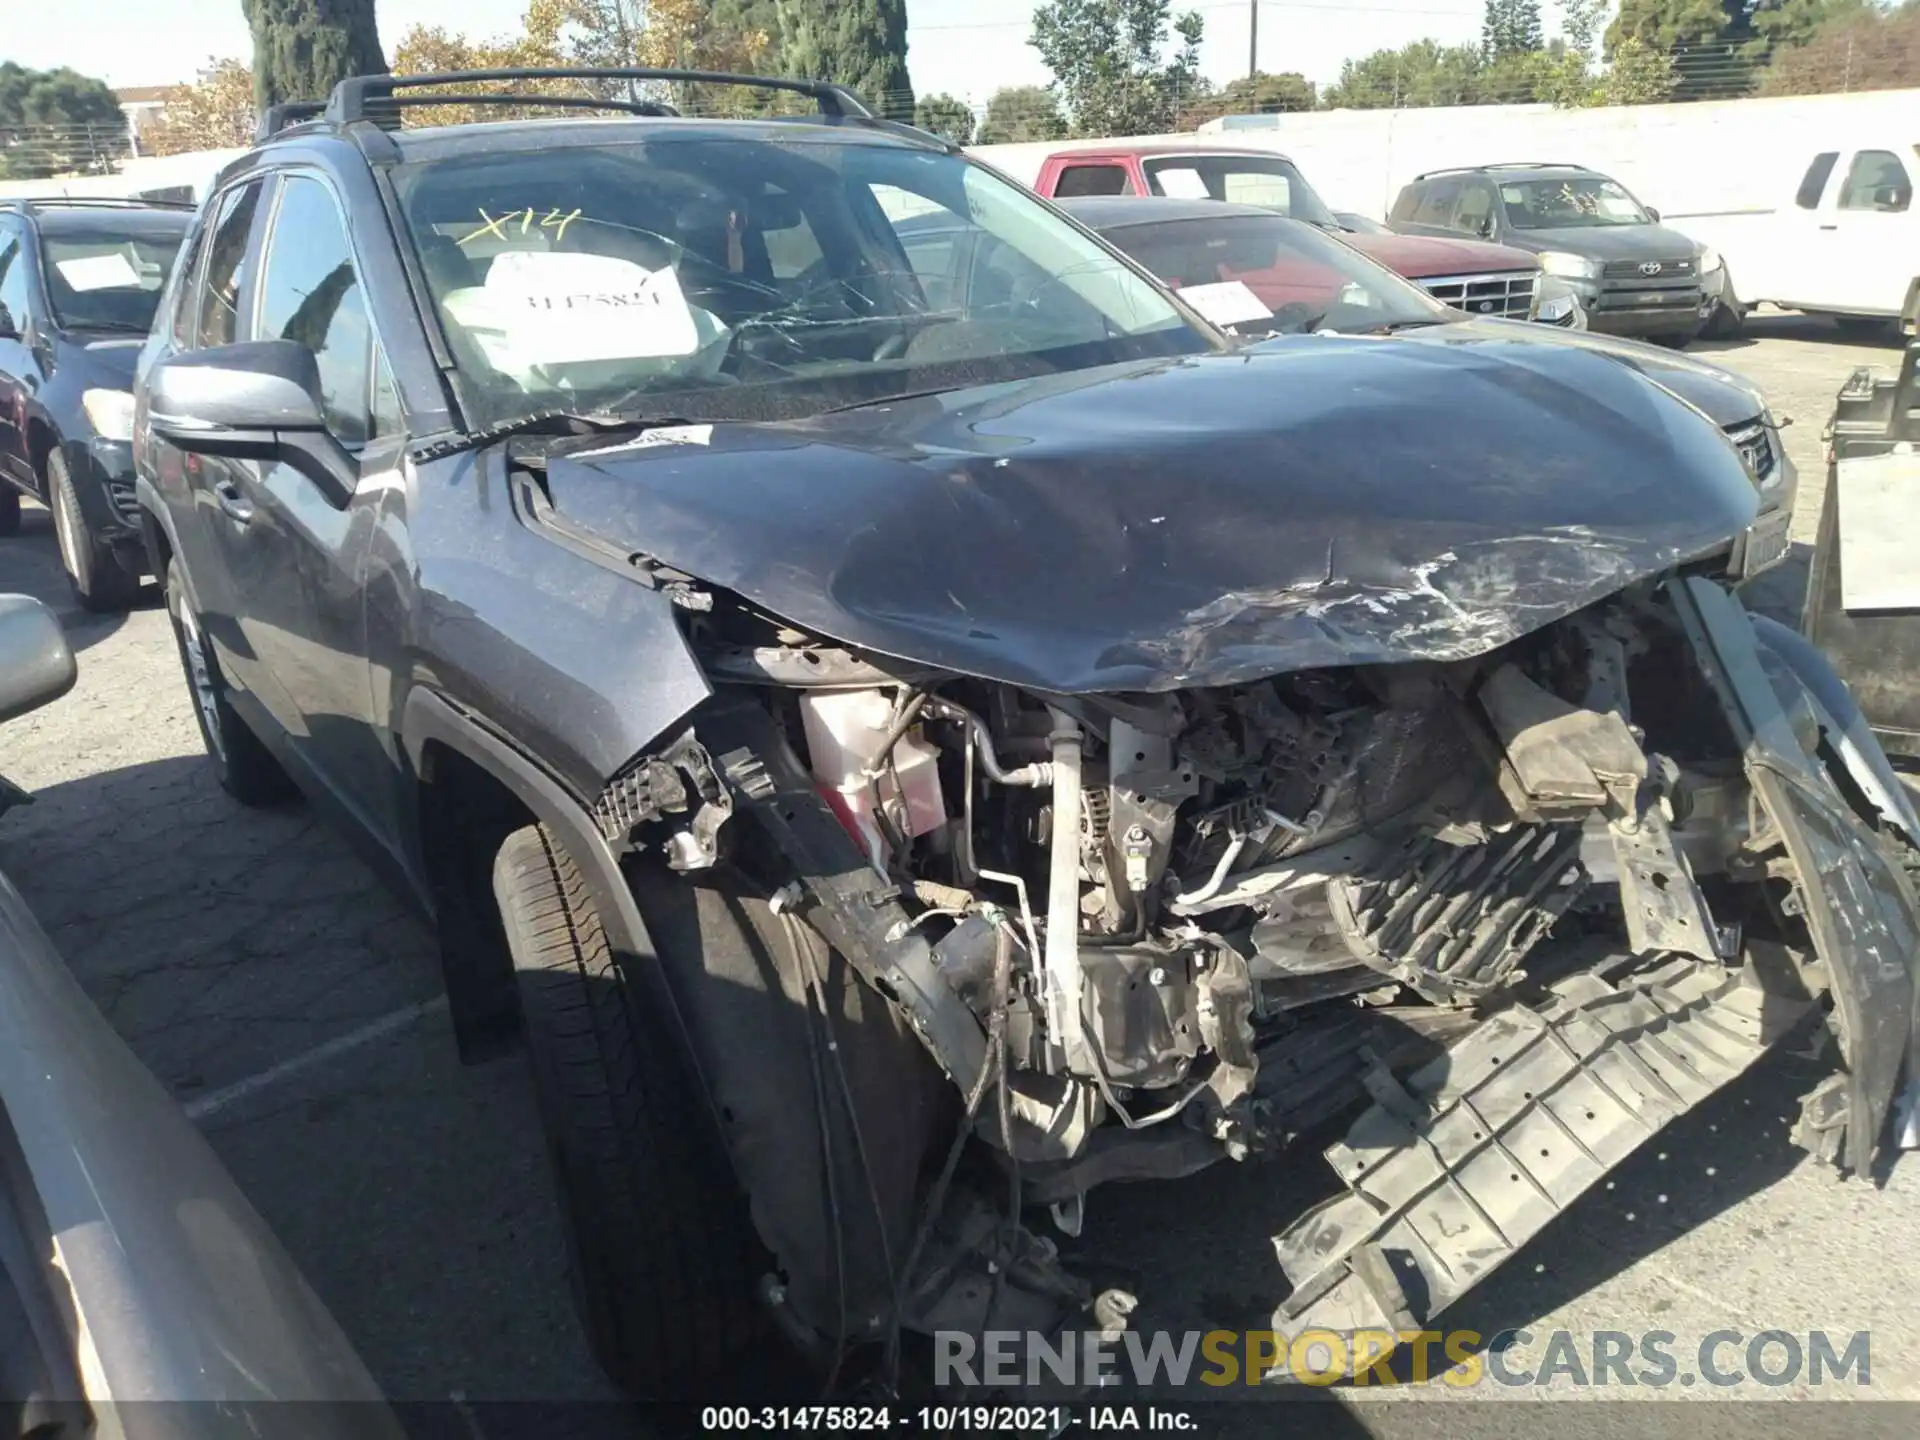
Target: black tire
(1868,327)
(101,583)
(1729,318)
(662,1251)
(1678,341)
(9,510)
(246,768)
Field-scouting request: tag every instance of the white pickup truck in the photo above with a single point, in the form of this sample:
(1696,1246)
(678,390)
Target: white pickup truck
(1846,243)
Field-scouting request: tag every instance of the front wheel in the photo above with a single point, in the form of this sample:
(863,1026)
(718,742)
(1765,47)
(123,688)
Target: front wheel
(101,580)
(246,768)
(663,1254)
(1729,318)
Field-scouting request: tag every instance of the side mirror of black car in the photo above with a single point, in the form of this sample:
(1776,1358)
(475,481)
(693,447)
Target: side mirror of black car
(257,400)
(1653,215)
(36,663)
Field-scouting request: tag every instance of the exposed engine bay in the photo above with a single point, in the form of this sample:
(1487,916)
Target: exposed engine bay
(1167,929)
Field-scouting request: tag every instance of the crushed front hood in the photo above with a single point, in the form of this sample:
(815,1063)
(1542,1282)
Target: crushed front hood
(1311,501)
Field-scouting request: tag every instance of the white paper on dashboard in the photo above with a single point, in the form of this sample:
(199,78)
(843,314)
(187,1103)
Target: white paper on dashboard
(1228,302)
(559,309)
(99,272)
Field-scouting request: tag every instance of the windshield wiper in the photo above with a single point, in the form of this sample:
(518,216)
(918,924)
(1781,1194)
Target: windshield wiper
(546,422)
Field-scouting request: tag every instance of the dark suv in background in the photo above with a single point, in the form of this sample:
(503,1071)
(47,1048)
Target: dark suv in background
(1633,275)
(79,282)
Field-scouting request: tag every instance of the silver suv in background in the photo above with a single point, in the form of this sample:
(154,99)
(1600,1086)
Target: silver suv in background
(1634,276)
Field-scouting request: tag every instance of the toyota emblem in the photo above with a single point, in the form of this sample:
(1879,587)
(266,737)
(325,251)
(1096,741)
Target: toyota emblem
(1650,267)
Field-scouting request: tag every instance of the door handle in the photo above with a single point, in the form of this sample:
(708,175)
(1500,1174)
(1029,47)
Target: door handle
(233,504)
(1829,227)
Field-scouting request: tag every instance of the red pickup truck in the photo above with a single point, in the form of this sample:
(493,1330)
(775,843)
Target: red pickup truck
(1470,275)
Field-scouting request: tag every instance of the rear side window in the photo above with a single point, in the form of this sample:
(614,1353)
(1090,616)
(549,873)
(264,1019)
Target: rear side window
(1436,203)
(1078,180)
(310,293)
(224,284)
(1814,183)
(1475,209)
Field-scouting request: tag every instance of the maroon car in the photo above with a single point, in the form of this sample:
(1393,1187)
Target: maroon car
(1474,276)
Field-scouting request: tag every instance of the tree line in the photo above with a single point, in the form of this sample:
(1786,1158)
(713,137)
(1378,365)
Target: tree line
(1652,51)
(1118,67)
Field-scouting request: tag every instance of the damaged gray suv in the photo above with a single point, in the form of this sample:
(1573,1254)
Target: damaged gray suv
(909,750)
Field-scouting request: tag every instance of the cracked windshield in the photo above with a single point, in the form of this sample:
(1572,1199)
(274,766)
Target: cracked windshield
(741,278)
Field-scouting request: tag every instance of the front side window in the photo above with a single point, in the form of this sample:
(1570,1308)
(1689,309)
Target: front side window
(1270,181)
(1301,278)
(1582,202)
(1876,181)
(102,278)
(310,294)
(14,289)
(706,277)
(224,283)
(186,294)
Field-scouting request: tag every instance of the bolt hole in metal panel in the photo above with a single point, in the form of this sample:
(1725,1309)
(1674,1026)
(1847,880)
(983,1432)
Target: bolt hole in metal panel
(1521,1116)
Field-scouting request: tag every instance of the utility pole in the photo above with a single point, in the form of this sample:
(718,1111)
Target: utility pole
(1253,40)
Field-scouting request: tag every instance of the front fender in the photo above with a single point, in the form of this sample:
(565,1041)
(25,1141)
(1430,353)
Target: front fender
(1850,876)
(1844,723)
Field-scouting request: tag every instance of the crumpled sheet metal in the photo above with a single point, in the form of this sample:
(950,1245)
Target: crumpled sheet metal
(1495,1138)
(1861,908)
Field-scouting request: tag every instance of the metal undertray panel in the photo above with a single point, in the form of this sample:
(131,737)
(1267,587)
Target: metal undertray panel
(1486,1144)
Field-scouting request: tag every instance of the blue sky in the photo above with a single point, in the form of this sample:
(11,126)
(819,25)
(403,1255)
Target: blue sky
(966,47)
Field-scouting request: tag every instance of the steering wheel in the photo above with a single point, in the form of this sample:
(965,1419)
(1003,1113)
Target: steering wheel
(1297,315)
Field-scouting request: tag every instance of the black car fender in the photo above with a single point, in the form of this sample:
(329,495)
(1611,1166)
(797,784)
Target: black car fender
(157,534)
(1847,729)
(429,718)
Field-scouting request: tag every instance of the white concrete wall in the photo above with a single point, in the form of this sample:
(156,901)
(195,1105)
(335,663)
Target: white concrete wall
(1705,158)
(196,169)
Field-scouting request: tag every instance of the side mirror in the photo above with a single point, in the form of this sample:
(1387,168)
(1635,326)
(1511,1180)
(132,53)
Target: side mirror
(1485,228)
(8,329)
(36,664)
(258,400)
(1653,214)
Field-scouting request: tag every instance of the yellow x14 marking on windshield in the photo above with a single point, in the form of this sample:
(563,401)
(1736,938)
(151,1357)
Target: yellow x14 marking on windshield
(497,225)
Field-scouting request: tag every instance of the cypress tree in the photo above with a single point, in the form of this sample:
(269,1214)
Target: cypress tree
(303,48)
(861,44)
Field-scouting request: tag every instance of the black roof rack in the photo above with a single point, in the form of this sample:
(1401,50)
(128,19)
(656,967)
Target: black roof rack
(290,112)
(1500,165)
(27,203)
(373,97)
